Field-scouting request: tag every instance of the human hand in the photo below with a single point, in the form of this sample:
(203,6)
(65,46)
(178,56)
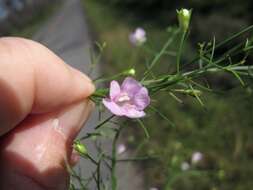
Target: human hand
(43,105)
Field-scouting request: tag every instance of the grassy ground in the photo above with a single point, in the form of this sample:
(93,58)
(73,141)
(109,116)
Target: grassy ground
(222,130)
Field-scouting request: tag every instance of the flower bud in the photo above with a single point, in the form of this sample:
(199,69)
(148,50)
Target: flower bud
(138,37)
(185,166)
(80,148)
(194,92)
(191,92)
(121,149)
(130,72)
(196,157)
(184,18)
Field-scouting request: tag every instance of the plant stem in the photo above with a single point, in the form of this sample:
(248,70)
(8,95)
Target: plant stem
(159,55)
(221,44)
(98,174)
(179,54)
(144,128)
(136,159)
(114,158)
(103,122)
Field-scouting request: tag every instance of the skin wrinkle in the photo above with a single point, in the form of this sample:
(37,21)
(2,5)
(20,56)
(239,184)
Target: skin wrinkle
(8,52)
(35,86)
(37,71)
(27,48)
(36,89)
(12,51)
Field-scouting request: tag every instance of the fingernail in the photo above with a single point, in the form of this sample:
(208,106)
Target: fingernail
(69,121)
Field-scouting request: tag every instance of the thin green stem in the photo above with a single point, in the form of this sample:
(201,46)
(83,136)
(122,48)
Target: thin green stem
(114,160)
(137,159)
(104,122)
(102,79)
(162,115)
(89,135)
(144,128)
(91,159)
(98,174)
(159,55)
(179,54)
(221,44)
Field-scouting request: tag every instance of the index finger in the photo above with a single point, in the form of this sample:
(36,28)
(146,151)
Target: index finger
(34,80)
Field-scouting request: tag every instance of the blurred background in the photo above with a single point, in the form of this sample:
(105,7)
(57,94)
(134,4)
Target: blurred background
(21,16)
(210,147)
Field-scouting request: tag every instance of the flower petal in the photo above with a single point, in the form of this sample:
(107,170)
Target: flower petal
(132,39)
(140,32)
(141,99)
(113,107)
(114,89)
(133,113)
(130,86)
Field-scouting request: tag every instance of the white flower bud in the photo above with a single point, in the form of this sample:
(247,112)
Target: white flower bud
(184,18)
(196,157)
(121,149)
(138,37)
(185,166)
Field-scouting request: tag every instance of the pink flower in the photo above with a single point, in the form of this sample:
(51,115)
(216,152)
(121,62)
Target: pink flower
(129,99)
(197,157)
(121,149)
(138,37)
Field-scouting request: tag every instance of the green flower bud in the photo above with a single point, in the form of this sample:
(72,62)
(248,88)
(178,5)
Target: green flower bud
(130,72)
(194,92)
(80,148)
(184,18)
(191,92)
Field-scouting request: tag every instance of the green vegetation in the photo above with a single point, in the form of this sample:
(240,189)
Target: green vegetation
(221,130)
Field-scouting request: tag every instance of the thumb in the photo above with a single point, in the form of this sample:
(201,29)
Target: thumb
(34,154)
